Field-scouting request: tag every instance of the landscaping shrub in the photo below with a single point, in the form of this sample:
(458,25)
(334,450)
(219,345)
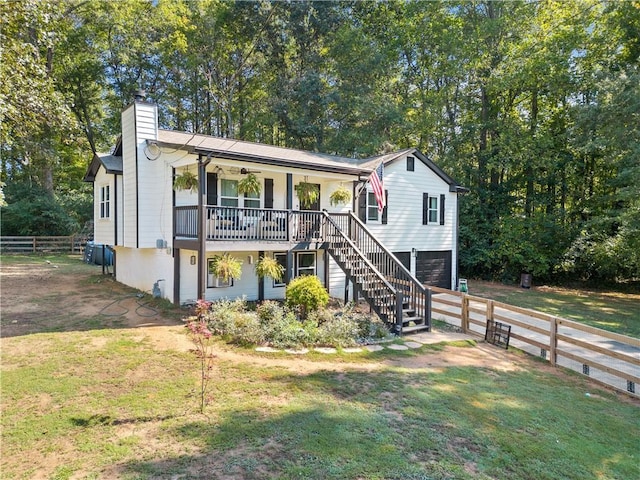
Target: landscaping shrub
(269,311)
(307,294)
(222,315)
(277,325)
(339,331)
(287,331)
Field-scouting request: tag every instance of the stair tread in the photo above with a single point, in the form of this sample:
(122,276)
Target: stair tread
(415,328)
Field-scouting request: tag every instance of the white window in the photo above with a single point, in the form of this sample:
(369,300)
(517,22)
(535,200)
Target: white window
(252,200)
(105,201)
(372,207)
(433,210)
(229,193)
(306,263)
(281,258)
(216,282)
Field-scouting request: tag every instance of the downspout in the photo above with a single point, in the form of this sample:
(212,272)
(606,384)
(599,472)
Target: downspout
(202,238)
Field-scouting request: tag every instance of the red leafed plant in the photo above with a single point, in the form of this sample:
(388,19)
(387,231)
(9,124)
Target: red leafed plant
(201,337)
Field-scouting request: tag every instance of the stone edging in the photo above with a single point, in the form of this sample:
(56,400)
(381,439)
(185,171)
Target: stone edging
(330,350)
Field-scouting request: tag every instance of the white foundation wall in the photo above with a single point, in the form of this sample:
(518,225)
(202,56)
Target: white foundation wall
(246,286)
(141,267)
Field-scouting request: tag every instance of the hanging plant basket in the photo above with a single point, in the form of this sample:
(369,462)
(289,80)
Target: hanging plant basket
(226,267)
(250,185)
(185,181)
(308,193)
(269,267)
(341,196)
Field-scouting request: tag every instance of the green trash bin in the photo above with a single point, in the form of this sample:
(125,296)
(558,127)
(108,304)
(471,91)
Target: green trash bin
(463,285)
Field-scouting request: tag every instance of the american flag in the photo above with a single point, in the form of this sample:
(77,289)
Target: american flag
(376,179)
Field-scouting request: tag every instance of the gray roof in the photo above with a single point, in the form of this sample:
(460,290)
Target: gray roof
(111,163)
(260,153)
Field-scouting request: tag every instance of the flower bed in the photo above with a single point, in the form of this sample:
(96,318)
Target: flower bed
(273,324)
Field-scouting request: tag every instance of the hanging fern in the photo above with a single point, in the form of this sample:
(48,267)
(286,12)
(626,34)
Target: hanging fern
(250,185)
(226,267)
(341,196)
(185,181)
(308,193)
(269,267)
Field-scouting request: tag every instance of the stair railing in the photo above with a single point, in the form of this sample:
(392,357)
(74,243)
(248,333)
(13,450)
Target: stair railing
(382,296)
(415,294)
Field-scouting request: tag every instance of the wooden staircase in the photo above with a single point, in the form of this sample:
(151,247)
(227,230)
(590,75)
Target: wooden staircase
(377,275)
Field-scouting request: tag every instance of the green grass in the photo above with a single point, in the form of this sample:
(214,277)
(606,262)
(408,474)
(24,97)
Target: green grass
(104,404)
(613,311)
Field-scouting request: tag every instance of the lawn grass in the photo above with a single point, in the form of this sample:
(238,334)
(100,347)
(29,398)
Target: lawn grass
(609,310)
(105,404)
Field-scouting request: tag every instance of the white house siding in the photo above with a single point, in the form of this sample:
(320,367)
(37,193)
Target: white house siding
(147,183)
(103,227)
(128,222)
(246,286)
(119,198)
(141,268)
(404,230)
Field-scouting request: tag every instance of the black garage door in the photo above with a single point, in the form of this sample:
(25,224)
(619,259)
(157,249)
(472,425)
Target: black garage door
(405,258)
(434,268)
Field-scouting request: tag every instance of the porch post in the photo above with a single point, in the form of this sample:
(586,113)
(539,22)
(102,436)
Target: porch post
(289,191)
(260,279)
(176,276)
(202,238)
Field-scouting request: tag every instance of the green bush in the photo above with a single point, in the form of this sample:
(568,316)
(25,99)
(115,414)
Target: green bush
(221,317)
(339,331)
(307,294)
(288,332)
(274,324)
(270,311)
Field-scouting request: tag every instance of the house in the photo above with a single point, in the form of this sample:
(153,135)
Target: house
(164,239)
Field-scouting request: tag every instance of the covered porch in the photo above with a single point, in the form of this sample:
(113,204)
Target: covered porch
(235,224)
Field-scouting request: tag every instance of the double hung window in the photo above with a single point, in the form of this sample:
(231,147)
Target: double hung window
(105,201)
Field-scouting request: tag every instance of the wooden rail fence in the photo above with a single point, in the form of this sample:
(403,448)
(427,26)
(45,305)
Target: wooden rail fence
(73,244)
(606,357)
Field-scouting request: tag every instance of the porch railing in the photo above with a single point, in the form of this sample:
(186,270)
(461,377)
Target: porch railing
(249,224)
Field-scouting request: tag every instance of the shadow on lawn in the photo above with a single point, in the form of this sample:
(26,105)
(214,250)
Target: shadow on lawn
(462,423)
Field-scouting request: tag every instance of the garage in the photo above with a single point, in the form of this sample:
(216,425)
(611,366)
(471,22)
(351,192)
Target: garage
(434,268)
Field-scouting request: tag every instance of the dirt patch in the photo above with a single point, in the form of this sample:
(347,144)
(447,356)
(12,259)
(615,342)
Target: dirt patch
(46,297)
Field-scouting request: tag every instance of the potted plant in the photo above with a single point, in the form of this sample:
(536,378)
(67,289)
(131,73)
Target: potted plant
(341,196)
(269,267)
(250,185)
(308,193)
(185,181)
(225,267)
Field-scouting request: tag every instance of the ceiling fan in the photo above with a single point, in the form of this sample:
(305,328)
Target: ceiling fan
(243,171)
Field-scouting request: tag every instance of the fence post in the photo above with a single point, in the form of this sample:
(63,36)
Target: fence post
(35,249)
(490,308)
(464,323)
(553,341)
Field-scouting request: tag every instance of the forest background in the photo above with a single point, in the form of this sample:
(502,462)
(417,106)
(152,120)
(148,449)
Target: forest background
(534,106)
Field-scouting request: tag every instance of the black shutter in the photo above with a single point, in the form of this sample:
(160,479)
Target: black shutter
(362,205)
(268,193)
(442,209)
(212,188)
(386,207)
(425,208)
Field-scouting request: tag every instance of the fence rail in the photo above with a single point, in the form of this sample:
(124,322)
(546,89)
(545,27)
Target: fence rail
(56,244)
(608,358)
